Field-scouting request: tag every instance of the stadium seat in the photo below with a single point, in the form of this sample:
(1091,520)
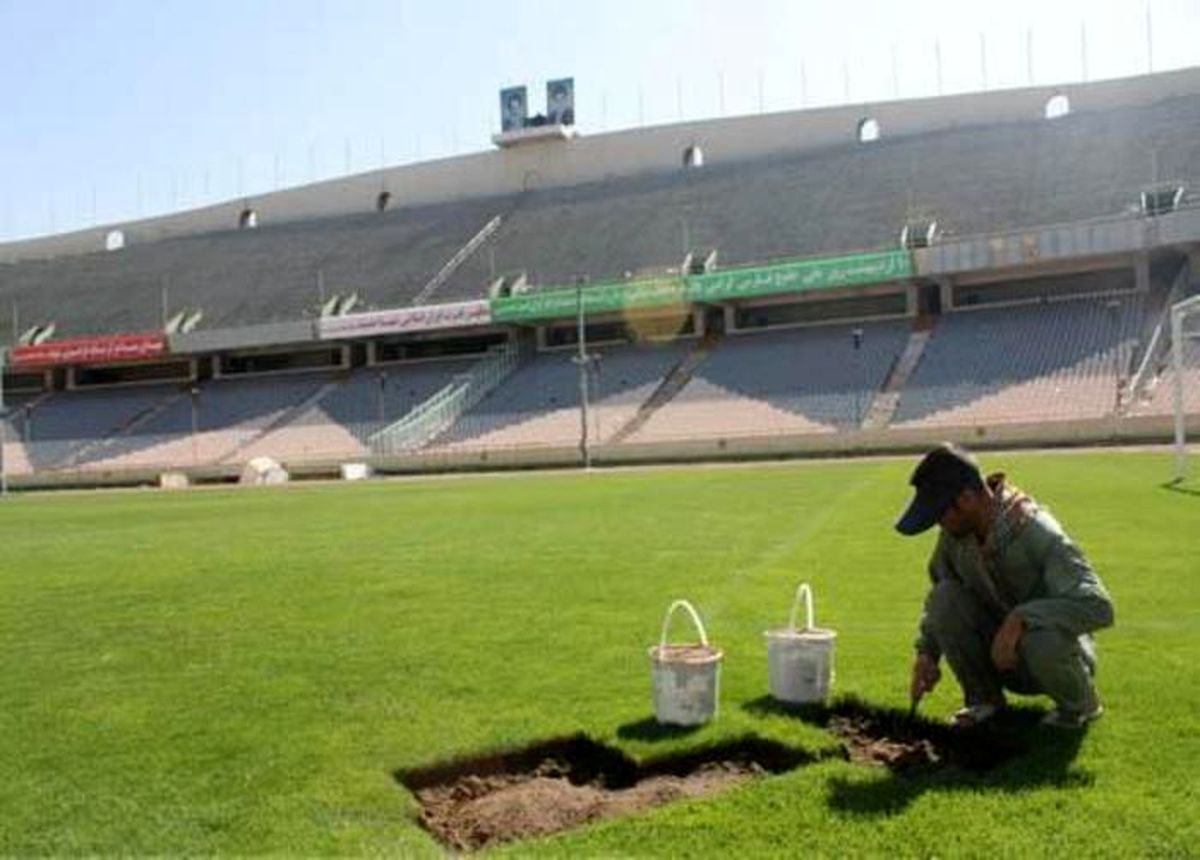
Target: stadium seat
(1058,360)
(802,380)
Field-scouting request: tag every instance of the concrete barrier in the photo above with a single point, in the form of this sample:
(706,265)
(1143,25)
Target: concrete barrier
(1111,431)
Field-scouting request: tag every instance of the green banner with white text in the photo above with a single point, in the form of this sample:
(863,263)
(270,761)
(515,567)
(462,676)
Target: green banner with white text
(798,276)
(557,302)
(820,273)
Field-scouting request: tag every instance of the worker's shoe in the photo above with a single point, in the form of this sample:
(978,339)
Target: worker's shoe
(973,716)
(1067,718)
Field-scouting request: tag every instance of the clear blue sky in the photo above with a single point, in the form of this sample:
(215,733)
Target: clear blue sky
(195,102)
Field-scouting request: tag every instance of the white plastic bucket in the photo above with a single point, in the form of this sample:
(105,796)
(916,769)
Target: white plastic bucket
(800,662)
(686,677)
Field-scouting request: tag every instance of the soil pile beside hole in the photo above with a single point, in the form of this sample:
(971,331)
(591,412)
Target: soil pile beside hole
(565,784)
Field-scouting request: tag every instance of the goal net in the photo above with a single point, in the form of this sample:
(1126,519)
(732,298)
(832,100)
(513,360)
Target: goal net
(1184,374)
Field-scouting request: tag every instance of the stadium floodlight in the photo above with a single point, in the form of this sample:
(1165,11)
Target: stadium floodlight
(37,334)
(918,233)
(511,284)
(174,323)
(699,262)
(1161,200)
(192,320)
(184,321)
(1180,312)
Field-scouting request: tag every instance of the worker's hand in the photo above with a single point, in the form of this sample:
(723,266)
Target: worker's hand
(925,676)
(1004,645)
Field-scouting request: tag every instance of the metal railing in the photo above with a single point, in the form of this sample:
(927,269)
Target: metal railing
(437,414)
(460,257)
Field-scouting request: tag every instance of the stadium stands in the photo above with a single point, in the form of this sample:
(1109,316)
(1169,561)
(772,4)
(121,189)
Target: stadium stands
(804,380)
(312,415)
(973,179)
(1047,360)
(539,403)
(339,424)
(1056,360)
(56,429)
(239,277)
(16,459)
(1161,400)
(1043,332)
(228,414)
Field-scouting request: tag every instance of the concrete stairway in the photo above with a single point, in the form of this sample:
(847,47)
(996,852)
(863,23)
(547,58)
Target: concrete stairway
(94,449)
(282,420)
(883,407)
(666,391)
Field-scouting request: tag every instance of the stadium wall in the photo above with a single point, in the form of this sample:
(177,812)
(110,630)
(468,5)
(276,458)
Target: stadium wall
(246,337)
(1099,432)
(598,157)
(1081,241)
(1105,431)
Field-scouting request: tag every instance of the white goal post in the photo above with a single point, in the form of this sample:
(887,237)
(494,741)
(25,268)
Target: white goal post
(1181,311)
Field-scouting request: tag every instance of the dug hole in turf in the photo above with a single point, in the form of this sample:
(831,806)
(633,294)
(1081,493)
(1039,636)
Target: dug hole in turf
(558,785)
(916,747)
(562,784)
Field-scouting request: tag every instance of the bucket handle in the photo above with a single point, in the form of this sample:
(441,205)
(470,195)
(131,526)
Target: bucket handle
(805,592)
(682,604)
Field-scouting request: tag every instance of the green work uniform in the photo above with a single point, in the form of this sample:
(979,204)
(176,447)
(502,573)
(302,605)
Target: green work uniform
(1029,566)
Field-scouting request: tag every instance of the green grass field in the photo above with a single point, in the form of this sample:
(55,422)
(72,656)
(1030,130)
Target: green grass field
(237,672)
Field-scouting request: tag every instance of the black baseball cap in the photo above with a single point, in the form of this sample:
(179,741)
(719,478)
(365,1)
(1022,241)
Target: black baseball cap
(941,475)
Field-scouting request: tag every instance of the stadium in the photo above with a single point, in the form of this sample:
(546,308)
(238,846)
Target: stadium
(293,671)
(993,268)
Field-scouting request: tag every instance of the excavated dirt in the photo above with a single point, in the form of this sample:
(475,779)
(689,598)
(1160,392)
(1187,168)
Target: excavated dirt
(475,811)
(469,804)
(883,738)
(863,744)
(556,786)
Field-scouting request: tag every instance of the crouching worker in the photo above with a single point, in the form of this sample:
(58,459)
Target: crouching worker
(1013,600)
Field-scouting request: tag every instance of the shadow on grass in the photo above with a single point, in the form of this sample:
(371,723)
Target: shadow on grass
(650,729)
(912,756)
(1177,487)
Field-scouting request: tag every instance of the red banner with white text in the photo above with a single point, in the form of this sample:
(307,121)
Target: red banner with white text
(90,350)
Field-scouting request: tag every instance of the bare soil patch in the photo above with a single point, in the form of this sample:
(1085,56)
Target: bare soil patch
(562,784)
(468,804)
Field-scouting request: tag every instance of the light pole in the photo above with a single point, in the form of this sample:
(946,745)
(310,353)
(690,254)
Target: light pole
(581,359)
(856,336)
(195,397)
(1113,306)
(382,378)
